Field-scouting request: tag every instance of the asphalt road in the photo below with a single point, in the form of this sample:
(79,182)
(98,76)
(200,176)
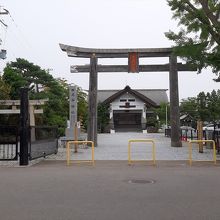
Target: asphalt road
(52,191)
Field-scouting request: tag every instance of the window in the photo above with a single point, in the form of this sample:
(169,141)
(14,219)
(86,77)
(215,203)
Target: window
(123,100)
(131,100)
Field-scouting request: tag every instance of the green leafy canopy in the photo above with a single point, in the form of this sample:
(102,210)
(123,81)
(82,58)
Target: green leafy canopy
(198,39)
(206,107)
(42,85)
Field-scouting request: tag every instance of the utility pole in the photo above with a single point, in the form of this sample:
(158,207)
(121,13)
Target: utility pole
(4,12)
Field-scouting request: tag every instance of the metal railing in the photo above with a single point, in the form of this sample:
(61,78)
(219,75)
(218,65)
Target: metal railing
(68,159)
(9,137)
(201,141)
(43,141)
(139,141)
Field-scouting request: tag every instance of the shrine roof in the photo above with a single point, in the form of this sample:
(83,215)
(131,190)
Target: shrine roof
(157,96)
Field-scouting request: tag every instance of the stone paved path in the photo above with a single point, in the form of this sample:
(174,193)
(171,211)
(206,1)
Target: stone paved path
(115,147)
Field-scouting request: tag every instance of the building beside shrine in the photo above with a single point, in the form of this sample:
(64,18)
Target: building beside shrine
(129,110)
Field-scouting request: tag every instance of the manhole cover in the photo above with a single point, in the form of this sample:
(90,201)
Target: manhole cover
(141,181)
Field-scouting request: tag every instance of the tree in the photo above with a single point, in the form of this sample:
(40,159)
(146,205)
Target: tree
(205,107)
(22,73)
(4,90)
(189,107)
(213,106)
(198,40)
(56,109)
(4,95)
(163,113)
(103,117)
(41,84)
(202,108)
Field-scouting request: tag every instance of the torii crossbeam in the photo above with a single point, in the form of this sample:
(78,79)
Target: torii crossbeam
(133,56)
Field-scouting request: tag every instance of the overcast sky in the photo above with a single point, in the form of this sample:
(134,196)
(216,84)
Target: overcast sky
(35,29)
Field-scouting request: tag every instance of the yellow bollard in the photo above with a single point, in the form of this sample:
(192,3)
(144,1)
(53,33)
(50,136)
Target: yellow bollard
(201,141)
(141,140)
(80,161)
(68,153)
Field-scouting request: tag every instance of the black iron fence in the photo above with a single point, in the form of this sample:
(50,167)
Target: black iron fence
(190,134)
(185,134)
(168,132)
(43,141)
(9,142)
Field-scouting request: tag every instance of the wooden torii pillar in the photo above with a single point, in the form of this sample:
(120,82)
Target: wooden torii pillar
(133,56)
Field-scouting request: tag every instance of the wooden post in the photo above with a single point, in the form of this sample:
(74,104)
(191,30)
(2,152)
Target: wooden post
(174,103)
(92,119)
(133,62)
(24,123)
(200,135)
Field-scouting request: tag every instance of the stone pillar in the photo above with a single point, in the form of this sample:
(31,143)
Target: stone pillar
(174,103)
(32,122)
(92,119)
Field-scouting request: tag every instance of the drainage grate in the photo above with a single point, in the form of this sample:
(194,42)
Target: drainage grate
(141,181)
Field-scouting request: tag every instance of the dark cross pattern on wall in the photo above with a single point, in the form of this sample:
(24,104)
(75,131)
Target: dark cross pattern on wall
(133,56)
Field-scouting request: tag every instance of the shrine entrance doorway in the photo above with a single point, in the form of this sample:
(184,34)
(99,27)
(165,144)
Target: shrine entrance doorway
(127,120)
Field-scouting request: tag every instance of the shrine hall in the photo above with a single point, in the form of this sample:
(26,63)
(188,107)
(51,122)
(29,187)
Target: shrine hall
(129,109)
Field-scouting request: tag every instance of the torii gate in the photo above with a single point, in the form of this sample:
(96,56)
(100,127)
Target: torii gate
(133,66)
(32,111)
